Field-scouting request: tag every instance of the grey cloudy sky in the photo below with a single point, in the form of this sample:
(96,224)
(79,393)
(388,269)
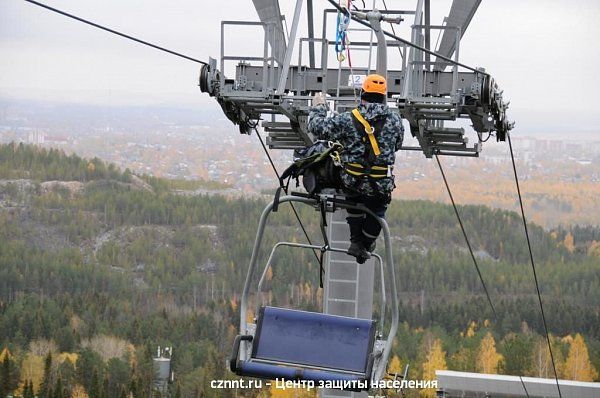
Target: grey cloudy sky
(544,53)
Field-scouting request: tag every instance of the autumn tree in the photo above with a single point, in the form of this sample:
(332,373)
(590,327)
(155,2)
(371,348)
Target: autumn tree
(290,392)
(465,357)
(569,242)
(541,360)
(395,366)
(79,392)
(107,346)
(488,358)
(4,378)
(578,365)
(436,360)
(32,370)
(41,347)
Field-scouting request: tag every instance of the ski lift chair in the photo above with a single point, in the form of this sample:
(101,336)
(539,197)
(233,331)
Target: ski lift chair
(301,345)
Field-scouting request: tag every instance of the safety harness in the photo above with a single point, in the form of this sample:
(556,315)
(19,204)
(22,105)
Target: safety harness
(372,151)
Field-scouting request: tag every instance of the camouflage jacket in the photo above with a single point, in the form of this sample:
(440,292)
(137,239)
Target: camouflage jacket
(341,128)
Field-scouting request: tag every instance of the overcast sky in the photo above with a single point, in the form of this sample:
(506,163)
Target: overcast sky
(543,53)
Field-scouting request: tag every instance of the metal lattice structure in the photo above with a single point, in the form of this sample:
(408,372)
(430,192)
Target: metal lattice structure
(427,90)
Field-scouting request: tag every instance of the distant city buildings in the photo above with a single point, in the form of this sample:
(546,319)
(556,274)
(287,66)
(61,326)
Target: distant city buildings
(212,149)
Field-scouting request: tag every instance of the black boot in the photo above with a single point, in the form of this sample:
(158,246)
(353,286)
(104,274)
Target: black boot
(357,250)
(370,245)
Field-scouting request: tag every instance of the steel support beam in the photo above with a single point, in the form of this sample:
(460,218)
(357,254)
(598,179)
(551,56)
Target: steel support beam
(290,48)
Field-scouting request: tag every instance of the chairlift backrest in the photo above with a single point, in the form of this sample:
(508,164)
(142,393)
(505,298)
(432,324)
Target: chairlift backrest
(314,340)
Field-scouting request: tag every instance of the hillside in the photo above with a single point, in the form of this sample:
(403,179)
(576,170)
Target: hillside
(94,258)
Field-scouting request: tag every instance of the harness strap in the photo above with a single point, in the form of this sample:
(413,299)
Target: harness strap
(358,169)
(370,131)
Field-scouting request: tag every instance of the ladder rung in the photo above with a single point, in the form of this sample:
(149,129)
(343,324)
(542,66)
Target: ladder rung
(285,146)
(454,153)
(443,139)
(444,130)
(277,134)
(343,280)
(450,147)
(344,261)
(276,124)
(435,111)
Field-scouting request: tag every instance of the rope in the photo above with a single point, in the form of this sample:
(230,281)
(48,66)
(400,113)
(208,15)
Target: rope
(262,143)
(115,32)
(352,76)
(462,228)
(340,32)
(537,286)
(524,388)
(472,255)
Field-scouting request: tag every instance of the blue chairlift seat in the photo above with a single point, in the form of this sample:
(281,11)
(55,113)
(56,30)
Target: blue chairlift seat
(300,345)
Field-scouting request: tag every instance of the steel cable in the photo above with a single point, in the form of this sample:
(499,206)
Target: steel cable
(462,228)
(535,278)
(411,44)
(56,10)
(262,143)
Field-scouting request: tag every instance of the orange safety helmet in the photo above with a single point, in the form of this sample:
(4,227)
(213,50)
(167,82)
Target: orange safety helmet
(375,84)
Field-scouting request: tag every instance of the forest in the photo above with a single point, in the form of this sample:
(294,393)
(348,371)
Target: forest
(99,267)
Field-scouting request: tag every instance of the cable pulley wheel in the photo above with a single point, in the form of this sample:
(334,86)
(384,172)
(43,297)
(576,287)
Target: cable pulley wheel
(204,70)
(487,90)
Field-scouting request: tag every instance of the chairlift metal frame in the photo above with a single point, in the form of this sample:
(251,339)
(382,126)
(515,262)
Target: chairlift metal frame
(244,350)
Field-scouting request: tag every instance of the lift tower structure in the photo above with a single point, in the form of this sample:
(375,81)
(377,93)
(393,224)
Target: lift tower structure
(428,86)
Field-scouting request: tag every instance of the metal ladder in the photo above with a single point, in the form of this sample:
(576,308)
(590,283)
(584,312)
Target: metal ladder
(348,286)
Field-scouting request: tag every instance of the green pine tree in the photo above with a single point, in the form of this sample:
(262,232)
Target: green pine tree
(31,390)
(133,386)
(94,391)
(5,377)
(25,389)
(58,389)
(105,393)
(46,387)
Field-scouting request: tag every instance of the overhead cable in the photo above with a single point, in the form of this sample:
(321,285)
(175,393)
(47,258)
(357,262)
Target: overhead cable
(462,228)
(115,32)
(411,44)
(472,255)
(523,384)
(262,143)
(535,278)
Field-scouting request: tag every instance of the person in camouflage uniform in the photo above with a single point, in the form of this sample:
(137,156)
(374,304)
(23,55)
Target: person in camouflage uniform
(368,159)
